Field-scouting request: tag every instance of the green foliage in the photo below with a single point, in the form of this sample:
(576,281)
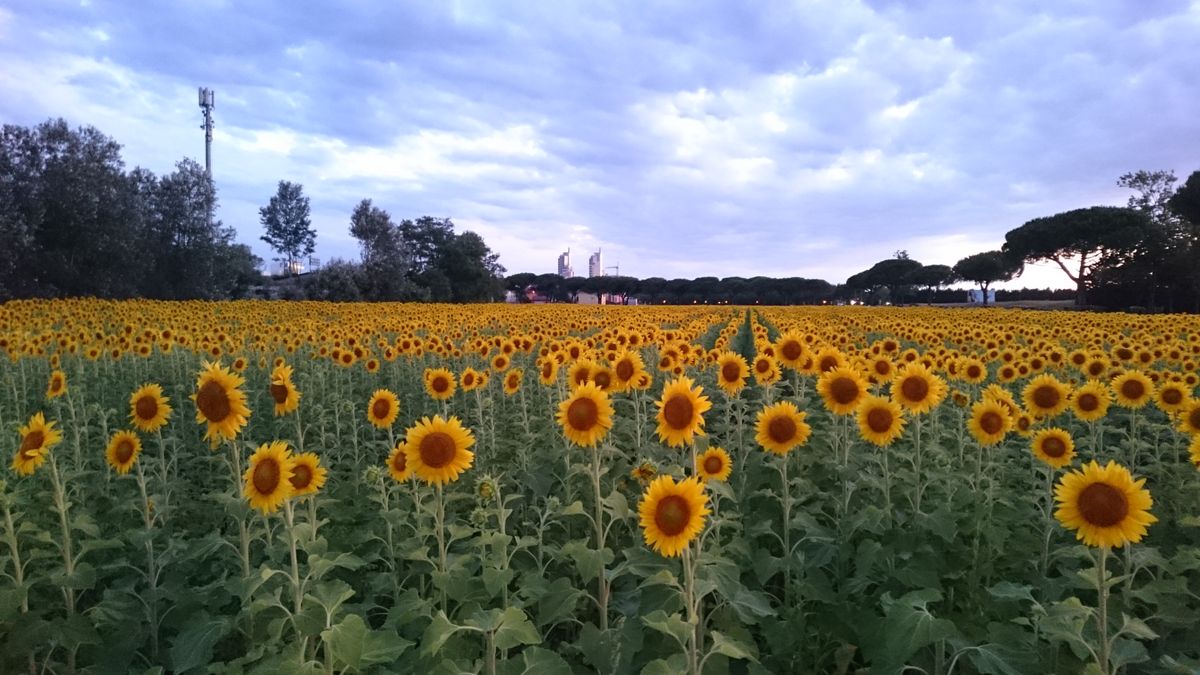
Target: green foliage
(287,227)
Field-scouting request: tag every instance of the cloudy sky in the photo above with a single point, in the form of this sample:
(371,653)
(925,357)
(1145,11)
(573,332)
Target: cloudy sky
(807,138)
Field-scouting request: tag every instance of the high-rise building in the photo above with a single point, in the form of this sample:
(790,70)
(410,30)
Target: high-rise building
(595,265)
(564,265)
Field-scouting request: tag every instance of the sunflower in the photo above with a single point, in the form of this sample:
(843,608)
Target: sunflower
(1054,446)
(220,402)
(383,409)
(1189,418)
(880,420)
(439,383)
(1105,505)
(57,385)
(438,450)
(308,476)
(500,362)
(548,371)
(917,389)
(672,514)
(714,464)
(625,369)
(602,377)
(512,381)
(644,472)
(1090,401)
(791,350)
(269,477)
(283,392)
(989,421)
(732,371)
(586,415)
(972,370)
(781,427)
(1194,452)
(122,451)
(842,389)
(765,370)
(397,463)
(1171,397)
(681,413)
(1132,389)
(37,438)
(469,379)
(1023,424)
(1045,396)
(148,408)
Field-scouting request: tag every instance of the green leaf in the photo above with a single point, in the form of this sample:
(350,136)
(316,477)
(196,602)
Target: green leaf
(908,626)
(331,594)
(617,505)
(1137,628)
(496,580)
(357,646)
(538,661)
(1125,652)
(672,666)
(193,647)
(575,508)
(436,633)
(1007,590)
(672,625)
(515,629)
(731,647)
(988,659)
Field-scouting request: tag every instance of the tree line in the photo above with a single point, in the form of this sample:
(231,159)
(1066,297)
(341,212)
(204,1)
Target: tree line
(75,222)
(1145,254)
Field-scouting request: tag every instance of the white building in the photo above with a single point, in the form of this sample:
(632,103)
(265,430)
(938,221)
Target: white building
(564,265)
(595,265)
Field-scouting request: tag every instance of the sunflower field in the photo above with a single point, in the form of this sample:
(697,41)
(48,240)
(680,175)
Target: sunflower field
(270,487)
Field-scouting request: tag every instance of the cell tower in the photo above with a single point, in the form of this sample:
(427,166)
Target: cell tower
(207,104)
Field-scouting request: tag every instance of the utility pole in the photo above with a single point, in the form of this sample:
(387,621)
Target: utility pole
(207,104)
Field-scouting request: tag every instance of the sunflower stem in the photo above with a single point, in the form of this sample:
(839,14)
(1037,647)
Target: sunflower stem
(689,601)
(1102,618)
(1044,567)
(151,563)
(297,586)
(440,518)
(601,582)
(786,504)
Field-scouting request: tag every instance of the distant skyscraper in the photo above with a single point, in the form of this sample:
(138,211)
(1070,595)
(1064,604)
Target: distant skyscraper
(595,265)
(564,265)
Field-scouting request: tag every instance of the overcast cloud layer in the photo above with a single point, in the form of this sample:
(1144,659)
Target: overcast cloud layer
(691,139)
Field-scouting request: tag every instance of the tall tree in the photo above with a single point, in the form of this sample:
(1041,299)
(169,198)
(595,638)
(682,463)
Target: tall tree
(987,268)
(1086,238)
(932,277)
(188,246)
(385,262)
(289,230)
(472,272)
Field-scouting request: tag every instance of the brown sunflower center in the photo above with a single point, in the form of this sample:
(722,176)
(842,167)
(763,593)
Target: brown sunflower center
(791,350)
(1133,389)
(602,379)
(1172,396)
(991,422)
(31,442)
(213,402)
(56,384)
(914,389)
(781,429)
(672,515)
(677,411)
(439,384)
(625,370)
(547,371)
(879,420)
(381,408)
(730,372)
(843,390)
(1046,397)
(124,451)
(279,392)
(266,476)
(973,371)
(1102,505)
(302,475)
(713,464)
(1053,446)
(827,363)
(883,367)
(762,366)
(400,461)
(1194,418)
(1088,402)
(1095,368)
(437,449)
(583,414)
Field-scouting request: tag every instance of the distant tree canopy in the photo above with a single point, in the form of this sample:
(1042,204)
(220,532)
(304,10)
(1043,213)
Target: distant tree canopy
(986,269)
(1087,238)
(287,226)
(73,222)
(657,290)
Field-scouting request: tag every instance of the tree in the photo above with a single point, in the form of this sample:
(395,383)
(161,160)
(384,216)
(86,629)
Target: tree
(1095,236)
(1185,203)
(288,228)
(932,277)
(987,268)
(188,247)
(472,272)
(385,264)
(891,274)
